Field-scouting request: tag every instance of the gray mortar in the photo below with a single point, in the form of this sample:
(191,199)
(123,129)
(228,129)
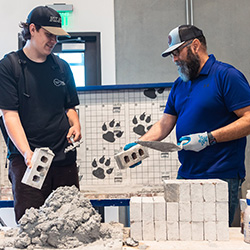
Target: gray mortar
(66,220)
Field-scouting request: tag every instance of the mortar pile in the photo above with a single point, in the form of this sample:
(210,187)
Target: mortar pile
(66,220)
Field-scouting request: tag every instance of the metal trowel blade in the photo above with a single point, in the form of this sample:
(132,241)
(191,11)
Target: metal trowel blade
(160,146)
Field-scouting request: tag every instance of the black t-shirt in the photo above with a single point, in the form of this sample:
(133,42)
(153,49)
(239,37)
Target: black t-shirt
(42,108)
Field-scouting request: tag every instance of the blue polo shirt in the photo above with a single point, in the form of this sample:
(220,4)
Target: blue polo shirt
(205,104)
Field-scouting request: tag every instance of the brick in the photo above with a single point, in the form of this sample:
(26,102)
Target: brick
(185,230)
(209,211)
(222,229)
(172,211)
(159,208)
(209,191)
(160,230)
(185,211)
(210,230)
(148,230)
(197,229)
(221,190)
(147,209)
(197,209)
(136,230)
(222,211)
(196,191)
(135,209)
(173,230)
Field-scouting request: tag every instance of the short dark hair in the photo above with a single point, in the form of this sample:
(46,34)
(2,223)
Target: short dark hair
(203,41)
(26,31)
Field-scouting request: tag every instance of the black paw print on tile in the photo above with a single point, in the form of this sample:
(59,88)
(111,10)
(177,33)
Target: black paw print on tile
(151,92)
(100,171)
(141,129)
(112,131)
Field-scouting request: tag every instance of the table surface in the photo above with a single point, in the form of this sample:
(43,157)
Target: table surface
(236,242)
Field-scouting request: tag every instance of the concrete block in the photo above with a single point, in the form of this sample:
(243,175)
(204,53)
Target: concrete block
(147,209)
(196,191)
(160,230)
(185,211)
(197,229)
(41,161)
(136,230)
(148,230)
(221,190)
(172,211)
(159,208)
(222,231)
(185,230)
(131,156)
(222,211)
(210,230)
(197,209)
(209,211)
(135,209)
(173,230)
(208,191)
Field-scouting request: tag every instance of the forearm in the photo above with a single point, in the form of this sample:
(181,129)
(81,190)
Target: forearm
(15,131)
(160,129)
(238,129)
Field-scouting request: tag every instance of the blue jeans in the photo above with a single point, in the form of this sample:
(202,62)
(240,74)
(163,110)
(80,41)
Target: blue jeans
(233,190)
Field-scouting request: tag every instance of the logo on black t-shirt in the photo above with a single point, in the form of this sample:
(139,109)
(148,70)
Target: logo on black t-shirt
(58,82)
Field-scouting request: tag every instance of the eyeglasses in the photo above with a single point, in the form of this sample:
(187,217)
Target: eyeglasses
(177,52)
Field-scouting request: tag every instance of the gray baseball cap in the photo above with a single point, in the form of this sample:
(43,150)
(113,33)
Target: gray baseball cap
(179,36)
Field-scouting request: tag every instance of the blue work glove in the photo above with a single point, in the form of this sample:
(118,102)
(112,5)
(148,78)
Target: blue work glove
(128,146)
(194,142)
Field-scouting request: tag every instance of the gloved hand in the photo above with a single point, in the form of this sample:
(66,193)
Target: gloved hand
(195,142)
(128,146)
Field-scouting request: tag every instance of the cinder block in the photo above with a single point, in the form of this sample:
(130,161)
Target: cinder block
(221,190)
(148,230)
(185,211)
(159,208)
(135,209)
(160,230)
(210,230)
(173,230)
(172,211)
(147,209)
(209,211)
(41,161)
(185,230)
(209,191)
(197,229)
(222,231)
(196,191)
(222,211)
(197,209)
(136,230)
(131,156)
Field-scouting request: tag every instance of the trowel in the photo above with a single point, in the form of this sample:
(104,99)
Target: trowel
(161,146)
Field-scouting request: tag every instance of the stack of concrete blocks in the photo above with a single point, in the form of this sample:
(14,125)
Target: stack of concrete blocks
(191,210)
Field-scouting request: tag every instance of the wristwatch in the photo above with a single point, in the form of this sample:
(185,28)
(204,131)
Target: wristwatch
(211,139)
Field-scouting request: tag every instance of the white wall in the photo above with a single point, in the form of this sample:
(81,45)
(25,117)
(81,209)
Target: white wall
(88,15)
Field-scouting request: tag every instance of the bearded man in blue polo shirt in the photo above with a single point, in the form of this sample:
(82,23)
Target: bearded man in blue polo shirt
(210,105)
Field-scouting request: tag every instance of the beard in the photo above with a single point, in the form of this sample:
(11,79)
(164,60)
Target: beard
(189,69)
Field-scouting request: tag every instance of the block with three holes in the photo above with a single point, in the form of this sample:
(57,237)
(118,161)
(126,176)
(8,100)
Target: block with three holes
(131,156)
(40,162)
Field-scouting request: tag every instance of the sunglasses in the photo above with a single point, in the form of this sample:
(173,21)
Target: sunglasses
(177,52)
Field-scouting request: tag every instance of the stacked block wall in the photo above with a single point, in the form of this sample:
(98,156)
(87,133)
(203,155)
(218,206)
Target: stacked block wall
(190,210)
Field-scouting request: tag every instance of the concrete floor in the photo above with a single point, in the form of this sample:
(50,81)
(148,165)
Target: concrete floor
(236,242)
